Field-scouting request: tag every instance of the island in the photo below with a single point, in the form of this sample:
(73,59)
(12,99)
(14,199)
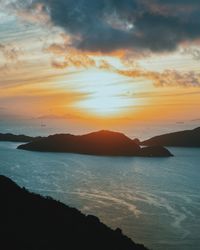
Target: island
(17,138)
(186,138)
(32,222)
(104,143)
(154,151)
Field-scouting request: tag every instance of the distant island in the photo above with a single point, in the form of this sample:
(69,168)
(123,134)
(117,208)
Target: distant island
(30,221)
(186,138)
(16,138)
(105,143)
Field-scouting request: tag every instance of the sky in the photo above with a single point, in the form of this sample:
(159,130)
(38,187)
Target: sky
(100,61)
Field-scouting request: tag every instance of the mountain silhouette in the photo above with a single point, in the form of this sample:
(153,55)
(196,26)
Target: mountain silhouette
(103,142)
(16,138)
(32,222)
(186,138)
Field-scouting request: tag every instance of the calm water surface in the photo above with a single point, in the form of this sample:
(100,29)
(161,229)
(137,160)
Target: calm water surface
(155,201)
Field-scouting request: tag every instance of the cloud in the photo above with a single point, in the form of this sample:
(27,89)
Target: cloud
(175,78)
(179,2)
(58,117)
(168,78)
(109,25)
(38,14)
(69,57)
(10,52)
(195,120)
(194,52)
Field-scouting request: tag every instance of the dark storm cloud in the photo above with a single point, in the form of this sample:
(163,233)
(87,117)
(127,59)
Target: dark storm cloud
(181,2)
(108,25)
(89,21)
(160,33)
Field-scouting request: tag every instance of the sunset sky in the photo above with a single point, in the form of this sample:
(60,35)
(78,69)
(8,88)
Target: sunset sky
(100,60)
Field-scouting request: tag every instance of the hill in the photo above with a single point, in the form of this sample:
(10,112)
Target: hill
(103,142)
(32,222)
(186,138)
(16,138)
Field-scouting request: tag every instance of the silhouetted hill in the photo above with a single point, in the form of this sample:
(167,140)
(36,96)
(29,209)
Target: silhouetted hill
(31,222)
(16,138)
(97,143)
(187,138)
(153,151)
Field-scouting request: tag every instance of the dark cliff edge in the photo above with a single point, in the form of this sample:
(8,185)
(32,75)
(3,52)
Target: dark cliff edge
(105,143)
(17,138)
(186,138)
(32,222)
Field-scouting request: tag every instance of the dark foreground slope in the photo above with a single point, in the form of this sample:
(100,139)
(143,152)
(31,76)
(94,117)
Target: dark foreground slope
(96,143)
(31,222)
(17,138)
(187,138)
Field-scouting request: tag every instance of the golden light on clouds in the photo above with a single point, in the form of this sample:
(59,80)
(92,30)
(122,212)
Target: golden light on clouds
(43,72)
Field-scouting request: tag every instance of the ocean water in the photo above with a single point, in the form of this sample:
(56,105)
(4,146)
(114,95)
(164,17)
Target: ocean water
(155,201)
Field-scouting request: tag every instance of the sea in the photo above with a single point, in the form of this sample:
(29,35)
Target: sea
(155,201)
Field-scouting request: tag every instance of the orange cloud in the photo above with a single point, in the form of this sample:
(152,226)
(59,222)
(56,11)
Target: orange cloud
(69,57)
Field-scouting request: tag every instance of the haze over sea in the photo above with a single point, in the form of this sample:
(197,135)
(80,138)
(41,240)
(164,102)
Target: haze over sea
(45,126)
(155,201)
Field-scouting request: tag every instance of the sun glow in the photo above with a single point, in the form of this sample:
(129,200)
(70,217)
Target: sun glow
(106,93)
(105,105)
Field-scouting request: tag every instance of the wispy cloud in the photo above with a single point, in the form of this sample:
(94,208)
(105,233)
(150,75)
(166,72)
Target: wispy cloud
(168,78)
(68,57)
(193,51)
(10,52)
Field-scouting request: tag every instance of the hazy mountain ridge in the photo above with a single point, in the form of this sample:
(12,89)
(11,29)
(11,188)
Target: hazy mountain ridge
(15,138)
(186,138)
